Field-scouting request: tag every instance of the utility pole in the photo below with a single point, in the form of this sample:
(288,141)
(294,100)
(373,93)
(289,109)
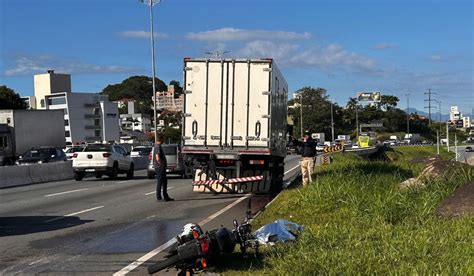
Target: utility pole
(447,135)
(332,124)
(408,112)
(456,145)
(429,93)
(300,95)
(357,121)
(437,141)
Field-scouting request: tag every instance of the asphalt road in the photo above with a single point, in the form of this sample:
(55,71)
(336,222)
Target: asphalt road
(102,226)
(462,154)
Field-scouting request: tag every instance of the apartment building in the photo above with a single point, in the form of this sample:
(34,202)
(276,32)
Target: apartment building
(88,117)
(168,100)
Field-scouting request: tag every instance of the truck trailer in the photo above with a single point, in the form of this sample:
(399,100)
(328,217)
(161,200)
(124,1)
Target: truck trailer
(234,124)
(21,130)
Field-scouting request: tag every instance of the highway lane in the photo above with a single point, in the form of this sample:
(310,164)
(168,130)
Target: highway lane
(463,156)
(101,226)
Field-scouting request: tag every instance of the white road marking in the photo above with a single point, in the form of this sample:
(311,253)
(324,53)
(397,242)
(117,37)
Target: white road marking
(76,213)
(291,169)
(122,181)
(162,247)
(154,192)
(36,262)
(67,192)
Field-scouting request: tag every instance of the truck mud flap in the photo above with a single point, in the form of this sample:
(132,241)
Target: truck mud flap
(219,186)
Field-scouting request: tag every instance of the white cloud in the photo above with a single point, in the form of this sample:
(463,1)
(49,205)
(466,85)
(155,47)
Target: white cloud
(435,58)
(384,45)
(27,65)
(233,34)
(327,57)
(141,34)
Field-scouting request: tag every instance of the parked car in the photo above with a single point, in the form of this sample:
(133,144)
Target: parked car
(70,151)
(101,159)
(320,147)
(41,155)
(141,151)
(468,149)
(174,160)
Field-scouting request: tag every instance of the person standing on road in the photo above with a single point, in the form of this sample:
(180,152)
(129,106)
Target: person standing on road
(159,164)
(308,153)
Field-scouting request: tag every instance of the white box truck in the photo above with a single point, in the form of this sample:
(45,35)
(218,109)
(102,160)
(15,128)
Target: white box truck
(21,130)
(234,123)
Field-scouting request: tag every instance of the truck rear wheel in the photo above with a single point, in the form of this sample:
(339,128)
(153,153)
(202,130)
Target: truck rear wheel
(78,176)
(278,172)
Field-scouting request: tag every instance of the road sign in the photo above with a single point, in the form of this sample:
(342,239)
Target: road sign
(372,125)
(335,148)
(368,96)
(327,160)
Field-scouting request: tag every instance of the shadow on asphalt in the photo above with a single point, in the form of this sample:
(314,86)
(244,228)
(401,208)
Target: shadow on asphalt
(22,225)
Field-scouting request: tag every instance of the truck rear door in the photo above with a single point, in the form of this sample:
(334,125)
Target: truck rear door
(227,103)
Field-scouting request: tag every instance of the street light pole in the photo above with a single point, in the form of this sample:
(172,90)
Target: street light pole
(152,38)
(301,113)
(408,112)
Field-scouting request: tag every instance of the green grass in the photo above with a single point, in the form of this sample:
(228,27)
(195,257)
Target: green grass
(357,221)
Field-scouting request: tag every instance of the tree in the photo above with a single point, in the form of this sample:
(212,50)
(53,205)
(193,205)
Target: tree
(10,100)
(177,87)
(137,88)
(316,112)
(388,101)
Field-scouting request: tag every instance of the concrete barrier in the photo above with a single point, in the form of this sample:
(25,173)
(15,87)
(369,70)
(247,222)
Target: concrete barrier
(51,172)
(140,162)
(14,175)
(23,175)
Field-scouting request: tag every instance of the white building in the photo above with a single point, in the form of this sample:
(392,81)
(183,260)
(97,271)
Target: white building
(454,114)
(135,121)
(88,117)
(50,83)
(466,122)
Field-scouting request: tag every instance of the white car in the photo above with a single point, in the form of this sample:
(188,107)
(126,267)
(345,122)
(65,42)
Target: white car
(101,159)
(70,151)
(140,151)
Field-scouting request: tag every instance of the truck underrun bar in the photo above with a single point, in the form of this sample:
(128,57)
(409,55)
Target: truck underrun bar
(229,180)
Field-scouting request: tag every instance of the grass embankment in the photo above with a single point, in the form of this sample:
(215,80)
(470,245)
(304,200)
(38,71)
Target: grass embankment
(358,221)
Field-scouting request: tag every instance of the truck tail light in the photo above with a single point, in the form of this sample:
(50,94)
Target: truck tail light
(226,162)
(204,246)
(149,157)
(257,162)
(74,155)
(106,154)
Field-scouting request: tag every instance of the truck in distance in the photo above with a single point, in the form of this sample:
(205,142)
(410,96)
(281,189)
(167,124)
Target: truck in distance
(22,130)
(234,122)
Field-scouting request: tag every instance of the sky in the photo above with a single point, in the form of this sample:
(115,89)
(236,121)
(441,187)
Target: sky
(397,47)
